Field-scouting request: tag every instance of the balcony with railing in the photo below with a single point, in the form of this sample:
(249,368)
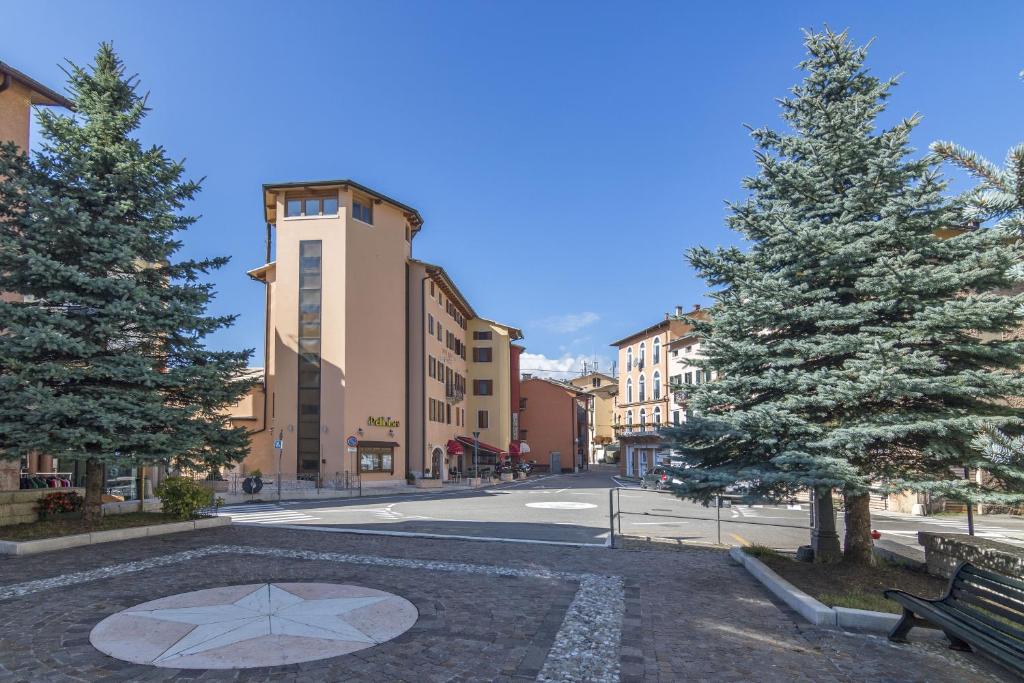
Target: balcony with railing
(645,429)
(454,394)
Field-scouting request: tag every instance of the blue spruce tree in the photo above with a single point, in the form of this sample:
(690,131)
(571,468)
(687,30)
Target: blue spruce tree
(857,337)
(102,358)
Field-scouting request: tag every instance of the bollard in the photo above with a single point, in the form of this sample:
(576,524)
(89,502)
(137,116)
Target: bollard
(611,517)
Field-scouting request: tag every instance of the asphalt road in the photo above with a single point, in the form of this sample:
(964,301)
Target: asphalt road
(575,509)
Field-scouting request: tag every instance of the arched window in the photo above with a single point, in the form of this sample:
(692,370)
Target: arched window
(657,415)
(643,391)
(629,390)
(656,351)
(629,358)
(629,419)
(643,353)
(643,417)
(657,384)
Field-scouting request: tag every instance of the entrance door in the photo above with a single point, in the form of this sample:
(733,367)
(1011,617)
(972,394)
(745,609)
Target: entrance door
(629,461)
(643,461)
(555,462)
(437,463)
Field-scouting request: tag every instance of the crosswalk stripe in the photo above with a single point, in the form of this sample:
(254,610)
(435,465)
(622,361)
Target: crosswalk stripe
(266,513)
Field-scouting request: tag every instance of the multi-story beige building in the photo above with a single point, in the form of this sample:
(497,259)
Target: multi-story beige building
(604,390)
(371,367)
(493,372)
(644,396)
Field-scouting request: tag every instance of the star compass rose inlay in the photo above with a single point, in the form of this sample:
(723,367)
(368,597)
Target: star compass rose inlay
(266,624)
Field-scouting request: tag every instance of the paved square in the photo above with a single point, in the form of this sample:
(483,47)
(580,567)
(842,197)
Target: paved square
(487,611)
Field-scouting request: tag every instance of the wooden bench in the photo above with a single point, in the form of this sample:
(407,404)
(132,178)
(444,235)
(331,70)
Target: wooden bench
(981,609)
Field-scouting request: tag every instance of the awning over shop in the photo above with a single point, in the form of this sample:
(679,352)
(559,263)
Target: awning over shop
(455,448)
(486,448)
(518,448)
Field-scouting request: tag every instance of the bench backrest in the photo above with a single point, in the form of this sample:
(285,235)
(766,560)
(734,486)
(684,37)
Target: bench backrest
(989,601)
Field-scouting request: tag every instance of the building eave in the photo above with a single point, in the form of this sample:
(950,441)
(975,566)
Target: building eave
(514,333)
(441,276)
(411,214)
(260,274)
(42,95)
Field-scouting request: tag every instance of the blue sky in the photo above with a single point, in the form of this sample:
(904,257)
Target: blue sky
(563,154)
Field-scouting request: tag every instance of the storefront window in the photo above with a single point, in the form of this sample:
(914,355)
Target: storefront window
(120,482)
(376,458)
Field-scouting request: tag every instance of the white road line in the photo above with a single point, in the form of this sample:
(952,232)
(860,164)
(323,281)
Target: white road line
(458,537)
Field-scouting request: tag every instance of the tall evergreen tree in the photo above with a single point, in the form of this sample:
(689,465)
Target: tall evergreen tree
(846,335)
(103,361)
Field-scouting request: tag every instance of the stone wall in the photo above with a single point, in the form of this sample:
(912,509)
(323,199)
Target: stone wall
(19,507)
(944,551)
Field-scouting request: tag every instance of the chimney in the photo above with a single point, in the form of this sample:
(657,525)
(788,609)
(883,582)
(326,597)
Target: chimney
(679,311)
(696,307)
(526,375)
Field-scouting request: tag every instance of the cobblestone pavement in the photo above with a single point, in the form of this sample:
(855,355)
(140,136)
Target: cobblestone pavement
(488,611)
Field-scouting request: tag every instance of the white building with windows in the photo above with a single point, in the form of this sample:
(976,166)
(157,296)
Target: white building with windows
(684,374)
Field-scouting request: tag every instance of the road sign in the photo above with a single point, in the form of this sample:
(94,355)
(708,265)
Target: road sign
(279,443)
(351,441)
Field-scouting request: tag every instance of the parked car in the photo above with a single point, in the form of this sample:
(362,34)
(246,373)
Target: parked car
(657,479)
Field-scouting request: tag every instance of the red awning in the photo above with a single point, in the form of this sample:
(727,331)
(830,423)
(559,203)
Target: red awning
(455,448)
(513,448)
(467,441)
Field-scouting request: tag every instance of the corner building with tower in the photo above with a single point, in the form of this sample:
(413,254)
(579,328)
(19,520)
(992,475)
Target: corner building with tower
(375,364)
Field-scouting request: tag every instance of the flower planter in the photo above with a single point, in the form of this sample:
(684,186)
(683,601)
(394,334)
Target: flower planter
(57,516)
(506,476)
(429,483)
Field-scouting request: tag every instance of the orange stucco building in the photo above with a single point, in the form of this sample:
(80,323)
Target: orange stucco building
(369,352)
(554,421)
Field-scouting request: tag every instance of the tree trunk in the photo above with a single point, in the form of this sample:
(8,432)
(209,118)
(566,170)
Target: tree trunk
(857,546)
(93,509)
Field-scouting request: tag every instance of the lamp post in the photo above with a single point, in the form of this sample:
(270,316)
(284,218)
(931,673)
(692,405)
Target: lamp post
(476,451)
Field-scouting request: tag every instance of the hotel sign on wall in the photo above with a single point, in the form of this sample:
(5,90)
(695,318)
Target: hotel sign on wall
(381,422)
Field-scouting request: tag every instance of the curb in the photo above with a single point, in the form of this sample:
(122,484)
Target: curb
(20,548)
(810,609)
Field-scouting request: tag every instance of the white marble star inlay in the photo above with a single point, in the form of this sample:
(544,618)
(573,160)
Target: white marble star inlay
(269,614)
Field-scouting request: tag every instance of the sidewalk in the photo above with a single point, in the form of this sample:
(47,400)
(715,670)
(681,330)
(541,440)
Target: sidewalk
(269,494)
(495,612)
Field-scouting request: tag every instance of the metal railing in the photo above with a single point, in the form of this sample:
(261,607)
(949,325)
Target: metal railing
(615,514)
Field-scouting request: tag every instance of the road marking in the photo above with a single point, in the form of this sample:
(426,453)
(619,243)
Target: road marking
(561,505)
(265,513)
(561,490)
(457,537)
(739,538)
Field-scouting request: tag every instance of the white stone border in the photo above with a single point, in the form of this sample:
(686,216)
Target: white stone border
(810,609)
(61,542)
(586,647)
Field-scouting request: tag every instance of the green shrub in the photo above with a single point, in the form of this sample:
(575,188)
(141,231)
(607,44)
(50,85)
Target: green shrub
(183,497)
(760,551)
